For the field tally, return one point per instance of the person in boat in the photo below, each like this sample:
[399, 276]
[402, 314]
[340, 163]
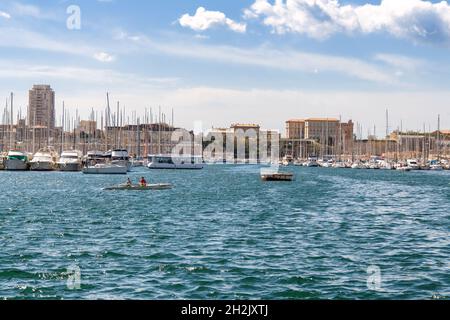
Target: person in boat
[143, 182]
[129, 183]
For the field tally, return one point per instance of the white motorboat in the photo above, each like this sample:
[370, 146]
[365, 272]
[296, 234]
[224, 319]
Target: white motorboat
[119, 157]
[339, 165]
[412, 164]
[436, 167]
[287, 161]
[105, 168]
[70, 161]
[358, 165]
[16, 161]
[44, 160]
[312, 162]
[178, 163]
[374, 166]
[401, 166]
[385, 165]
[327, 164]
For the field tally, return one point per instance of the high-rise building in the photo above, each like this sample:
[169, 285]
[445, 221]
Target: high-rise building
[41, 109]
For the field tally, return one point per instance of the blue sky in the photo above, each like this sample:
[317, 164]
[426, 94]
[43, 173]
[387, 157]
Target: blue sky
[222, 62]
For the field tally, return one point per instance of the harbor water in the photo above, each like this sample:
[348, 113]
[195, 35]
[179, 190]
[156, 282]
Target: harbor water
[222, 233]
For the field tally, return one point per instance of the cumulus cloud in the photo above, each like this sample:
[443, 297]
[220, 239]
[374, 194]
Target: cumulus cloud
[104, 57]
[204, 20]
[417, 20]
[5, 15]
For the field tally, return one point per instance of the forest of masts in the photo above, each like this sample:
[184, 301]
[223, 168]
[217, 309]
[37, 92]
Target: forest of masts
[114, 128]
[150, 133]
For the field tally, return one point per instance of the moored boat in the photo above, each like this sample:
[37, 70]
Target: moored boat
[403, 168]
[413, 164]
[105, 168]
[311, 163]
[358, 165]
[119, 157]
[44, 160]
[70, 161]
[16, 161]
[178, 163]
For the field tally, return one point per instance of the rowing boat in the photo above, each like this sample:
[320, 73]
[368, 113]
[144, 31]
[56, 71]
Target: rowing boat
[159, 186]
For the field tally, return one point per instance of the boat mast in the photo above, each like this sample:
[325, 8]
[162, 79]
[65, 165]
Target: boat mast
[386, 147]
[12, 121]
[151, 131]
[439, 138]
[117, 125]
[159, 131]
[62, 128]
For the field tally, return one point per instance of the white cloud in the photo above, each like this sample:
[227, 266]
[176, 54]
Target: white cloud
[74, 74]
[284, 60]
[417, 20]
[104, 57]
[204, 20]
[26, 39]
[401, 62]
[5, 15]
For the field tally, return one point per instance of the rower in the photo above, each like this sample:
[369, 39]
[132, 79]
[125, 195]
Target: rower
[143, 182]
[129, 183]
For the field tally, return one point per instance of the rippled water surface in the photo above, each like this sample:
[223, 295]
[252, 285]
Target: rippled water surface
[224, 234]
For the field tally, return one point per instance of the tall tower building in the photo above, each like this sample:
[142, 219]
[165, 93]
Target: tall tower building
[41, 110]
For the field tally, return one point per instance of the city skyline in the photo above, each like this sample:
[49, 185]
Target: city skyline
[236, 61]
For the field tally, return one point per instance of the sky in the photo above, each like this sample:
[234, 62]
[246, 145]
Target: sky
[235, 61]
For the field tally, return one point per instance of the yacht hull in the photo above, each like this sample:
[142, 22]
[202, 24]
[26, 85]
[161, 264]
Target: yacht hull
[16, 165]
[105, 170]
[41, 166]
[159, 166]
[69, 167]
[123, 163]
